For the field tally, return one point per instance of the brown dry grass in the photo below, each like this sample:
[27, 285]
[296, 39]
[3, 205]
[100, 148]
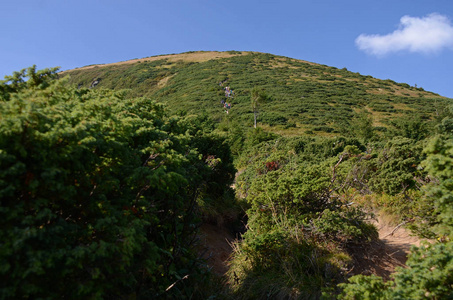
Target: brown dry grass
[377, 117]
[297, 60]
[281, 63]
[399, 91]
[200, 56]
[401, 106]
[196, 56]
[163, 81]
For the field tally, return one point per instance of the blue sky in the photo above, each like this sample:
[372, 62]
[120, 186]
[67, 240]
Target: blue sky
[408, 41]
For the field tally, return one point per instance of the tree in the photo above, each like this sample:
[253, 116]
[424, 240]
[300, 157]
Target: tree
[257, 98]
[396, 166]
[362, 126]
[412, 127]
[15, 82]
[439, 164]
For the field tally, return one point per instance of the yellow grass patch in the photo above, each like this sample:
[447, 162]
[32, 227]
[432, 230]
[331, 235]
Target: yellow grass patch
[163, 81]
[188, 57]
[401, 106]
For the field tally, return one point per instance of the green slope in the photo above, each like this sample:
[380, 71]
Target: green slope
[302, 96]
[306, 199]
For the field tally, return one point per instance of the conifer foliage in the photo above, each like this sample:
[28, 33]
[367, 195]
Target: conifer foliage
[102, 191]
[97, 192]
[430, 267]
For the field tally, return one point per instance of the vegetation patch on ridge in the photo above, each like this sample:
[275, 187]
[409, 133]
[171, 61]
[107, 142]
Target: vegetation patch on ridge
[108, 173]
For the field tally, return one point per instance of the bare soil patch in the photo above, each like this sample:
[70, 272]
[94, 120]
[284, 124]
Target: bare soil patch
[215, 247]
[382, 257]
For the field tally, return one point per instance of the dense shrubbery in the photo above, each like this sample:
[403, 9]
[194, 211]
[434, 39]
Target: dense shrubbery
[298, 221]
[98, 193]
[302, 186]
[430, 267]
[102, 192]
[428, 276]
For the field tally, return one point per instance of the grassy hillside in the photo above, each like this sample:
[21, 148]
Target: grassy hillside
[302, 97]
[331, 147]
[103, 192]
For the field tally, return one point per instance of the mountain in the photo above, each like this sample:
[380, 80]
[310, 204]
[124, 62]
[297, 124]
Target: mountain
[301, 97]
[106, 193]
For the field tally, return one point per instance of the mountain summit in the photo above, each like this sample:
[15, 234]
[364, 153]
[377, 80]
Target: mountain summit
[300, 96]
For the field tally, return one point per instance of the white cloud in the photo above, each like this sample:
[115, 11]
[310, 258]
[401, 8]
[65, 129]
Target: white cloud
[425, 35]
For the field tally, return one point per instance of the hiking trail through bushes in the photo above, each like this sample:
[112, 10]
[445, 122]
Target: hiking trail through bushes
[390, 251]
[380, 257]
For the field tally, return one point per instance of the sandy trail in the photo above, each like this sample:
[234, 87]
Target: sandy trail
[380, 257]
[216, 247]
[389, 252]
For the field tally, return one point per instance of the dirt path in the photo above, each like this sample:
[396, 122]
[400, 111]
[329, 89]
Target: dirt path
[380, 258]
[383, 256]
[396, 237]
[215, 243]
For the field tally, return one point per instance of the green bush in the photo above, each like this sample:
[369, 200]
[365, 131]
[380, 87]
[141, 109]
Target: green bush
[98, 193]
[345, 225]
[430, 268]
[362, 287]
[299, 228]
[282, 263]
[396, 166]
[274, 119]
